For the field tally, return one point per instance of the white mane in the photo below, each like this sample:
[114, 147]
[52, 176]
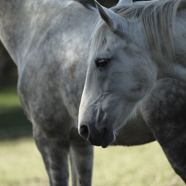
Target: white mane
[157, 17]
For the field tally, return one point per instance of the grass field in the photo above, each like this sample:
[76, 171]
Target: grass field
[21, 163]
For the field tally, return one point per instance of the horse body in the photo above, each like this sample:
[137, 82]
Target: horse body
[48, 26]
[49, 44]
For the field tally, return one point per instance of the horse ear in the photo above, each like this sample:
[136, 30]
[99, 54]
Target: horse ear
[124, 2]
[113, 20]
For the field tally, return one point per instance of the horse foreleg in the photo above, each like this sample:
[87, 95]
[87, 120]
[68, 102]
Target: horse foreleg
[175, 150]
[81, 157]
[54, 148]
[164, 112]
[173, 142]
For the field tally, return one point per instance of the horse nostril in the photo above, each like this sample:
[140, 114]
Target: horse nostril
[84, 132]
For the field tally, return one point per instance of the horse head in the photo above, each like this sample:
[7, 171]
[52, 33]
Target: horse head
[119, 76]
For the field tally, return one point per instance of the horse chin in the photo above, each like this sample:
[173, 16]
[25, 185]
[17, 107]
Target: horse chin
[104, 140]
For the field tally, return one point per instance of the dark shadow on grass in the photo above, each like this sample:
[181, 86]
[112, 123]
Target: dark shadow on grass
[14, 124]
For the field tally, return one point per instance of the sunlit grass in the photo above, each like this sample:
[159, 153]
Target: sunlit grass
[133, 166]
[21, 163]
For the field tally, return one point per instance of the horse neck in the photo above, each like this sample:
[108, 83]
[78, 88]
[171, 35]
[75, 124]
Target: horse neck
[177, 69]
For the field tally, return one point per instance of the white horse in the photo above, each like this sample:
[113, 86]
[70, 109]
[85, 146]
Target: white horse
[49, 41]
[132, 47]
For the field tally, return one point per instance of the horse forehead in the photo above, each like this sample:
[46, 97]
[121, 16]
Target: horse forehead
[113, 43]
[110, 42]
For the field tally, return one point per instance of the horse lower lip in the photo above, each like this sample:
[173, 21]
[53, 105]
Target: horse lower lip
[104, 145]
[103, 139]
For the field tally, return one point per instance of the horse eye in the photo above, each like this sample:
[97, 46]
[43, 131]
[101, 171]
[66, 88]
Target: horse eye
[101, 62]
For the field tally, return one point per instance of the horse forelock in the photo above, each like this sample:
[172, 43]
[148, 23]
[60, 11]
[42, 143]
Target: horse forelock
[157, 18]
[98, 38]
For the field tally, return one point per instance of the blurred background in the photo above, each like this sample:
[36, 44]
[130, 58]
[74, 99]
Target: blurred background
[21, 163]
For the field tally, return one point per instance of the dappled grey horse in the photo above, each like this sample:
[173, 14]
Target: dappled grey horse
[49, 41]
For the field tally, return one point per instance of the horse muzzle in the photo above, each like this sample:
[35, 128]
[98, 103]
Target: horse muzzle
[102, 137]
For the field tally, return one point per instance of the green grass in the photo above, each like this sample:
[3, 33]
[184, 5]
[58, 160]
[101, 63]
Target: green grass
[134, 166]
[9, 98]
[22, 165]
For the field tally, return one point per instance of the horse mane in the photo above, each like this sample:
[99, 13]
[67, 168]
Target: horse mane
[157, 17]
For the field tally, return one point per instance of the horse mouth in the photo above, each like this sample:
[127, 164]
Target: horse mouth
[98, 136]
[105, 142]
[104, 139]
